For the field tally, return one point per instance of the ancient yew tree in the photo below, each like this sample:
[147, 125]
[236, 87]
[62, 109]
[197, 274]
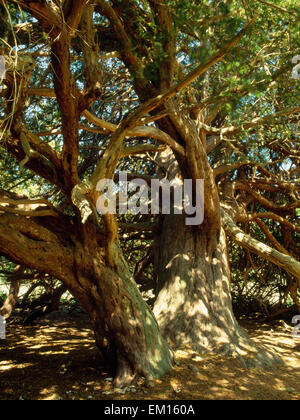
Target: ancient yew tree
[201, 90]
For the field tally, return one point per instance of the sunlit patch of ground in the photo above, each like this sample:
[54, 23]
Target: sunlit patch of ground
[60, 362]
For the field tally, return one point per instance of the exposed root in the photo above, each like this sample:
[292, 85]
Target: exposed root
[237, 344]
[251, 355]
[124, 375]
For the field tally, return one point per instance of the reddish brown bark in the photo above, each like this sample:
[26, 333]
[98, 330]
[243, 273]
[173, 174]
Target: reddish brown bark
[125, 329]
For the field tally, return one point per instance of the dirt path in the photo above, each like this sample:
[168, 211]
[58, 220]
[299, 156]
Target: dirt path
[60, 362]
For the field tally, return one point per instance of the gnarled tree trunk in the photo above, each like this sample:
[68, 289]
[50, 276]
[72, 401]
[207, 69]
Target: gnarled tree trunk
[193, 304]
[126, 331]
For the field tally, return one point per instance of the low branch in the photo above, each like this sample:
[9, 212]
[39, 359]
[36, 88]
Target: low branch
[231, 130]
[28, 228]
[140, 131]
[29, 244]
[230, 167]
[25, 201]
[31, 208]
[277, 7]
[286, 262]
[38, 164]
[34, 213]
[269, 215]
[264, 201]
[142, 149]
[271, 237]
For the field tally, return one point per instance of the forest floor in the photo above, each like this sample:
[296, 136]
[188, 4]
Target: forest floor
[58, 360]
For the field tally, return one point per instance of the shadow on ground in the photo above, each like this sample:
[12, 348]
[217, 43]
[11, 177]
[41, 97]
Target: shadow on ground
[61, 362]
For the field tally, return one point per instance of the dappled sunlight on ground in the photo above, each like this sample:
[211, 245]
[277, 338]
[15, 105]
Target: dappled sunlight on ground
[61, 362]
